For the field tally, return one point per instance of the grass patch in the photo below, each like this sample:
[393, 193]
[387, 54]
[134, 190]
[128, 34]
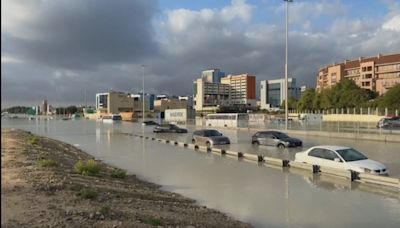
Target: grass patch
[33, 140]
[88, 193]
[47, 163]
[118, 173]
[90, 167]
[105, 210]
[153, 221]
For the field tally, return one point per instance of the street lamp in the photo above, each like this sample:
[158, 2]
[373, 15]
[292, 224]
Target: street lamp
[143, 66]
[286, 66]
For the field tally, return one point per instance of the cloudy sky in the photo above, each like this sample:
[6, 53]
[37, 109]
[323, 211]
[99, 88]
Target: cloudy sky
[58, 49]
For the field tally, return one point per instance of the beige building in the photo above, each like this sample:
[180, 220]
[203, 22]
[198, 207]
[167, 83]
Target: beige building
[229, 91]
[116, 102]
[173, 103]
[378, 73]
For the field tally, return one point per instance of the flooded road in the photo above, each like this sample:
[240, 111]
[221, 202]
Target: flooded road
[263, 196]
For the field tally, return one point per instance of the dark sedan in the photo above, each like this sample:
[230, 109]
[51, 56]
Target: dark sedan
[149, 123]
[275, 138]
[169, 128]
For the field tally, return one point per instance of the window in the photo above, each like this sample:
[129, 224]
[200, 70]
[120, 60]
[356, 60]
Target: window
[318, 153]
[330, 155]
[351, 155]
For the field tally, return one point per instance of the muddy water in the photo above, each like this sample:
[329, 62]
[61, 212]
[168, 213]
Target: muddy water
[263, 196]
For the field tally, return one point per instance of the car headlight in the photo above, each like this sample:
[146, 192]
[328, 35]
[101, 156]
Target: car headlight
[366, 170]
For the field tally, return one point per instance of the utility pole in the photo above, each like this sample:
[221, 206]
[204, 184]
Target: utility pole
[143, 66]
[286, 65]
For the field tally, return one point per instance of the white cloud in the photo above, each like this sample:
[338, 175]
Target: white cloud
[237, 9]
[8, 59]
[392, 24]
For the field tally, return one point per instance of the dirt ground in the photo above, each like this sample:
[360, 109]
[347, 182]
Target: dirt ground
[35, 195]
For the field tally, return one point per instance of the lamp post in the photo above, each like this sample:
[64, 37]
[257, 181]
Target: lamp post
[143, 66]
[286, 65]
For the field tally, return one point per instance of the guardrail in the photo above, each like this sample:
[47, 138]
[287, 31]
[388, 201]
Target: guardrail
[276, 162]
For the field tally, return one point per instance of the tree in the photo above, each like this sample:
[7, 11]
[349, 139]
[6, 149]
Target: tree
[306, 101]
[391, 98]
[292, 103]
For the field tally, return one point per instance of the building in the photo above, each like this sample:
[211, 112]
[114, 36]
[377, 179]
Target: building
[44, 107]
[171, 103]
[242, 89]
[148, 100]
[378, 73]
[272, 92]
[212, 75]
[114, 102]
[211, 93]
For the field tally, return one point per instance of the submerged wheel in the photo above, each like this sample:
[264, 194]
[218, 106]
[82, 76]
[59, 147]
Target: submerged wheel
[281, 146]
[256, 143]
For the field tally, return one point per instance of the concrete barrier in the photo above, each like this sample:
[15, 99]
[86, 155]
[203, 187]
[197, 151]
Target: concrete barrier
[338, 172]
[191, 146]
[203, 148]
[381, 180]
[181, 144]
[305, 166]
[234, 153]
[276, 161]
[253, 157]
[216, 150]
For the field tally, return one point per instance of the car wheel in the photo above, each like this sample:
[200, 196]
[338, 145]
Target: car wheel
[281, 146]
[208, 144]
[193, 141]
[256, 143]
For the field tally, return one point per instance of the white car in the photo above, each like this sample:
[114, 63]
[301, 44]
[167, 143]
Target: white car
[341, 157]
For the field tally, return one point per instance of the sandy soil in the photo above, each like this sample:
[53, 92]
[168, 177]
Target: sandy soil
[36, 196]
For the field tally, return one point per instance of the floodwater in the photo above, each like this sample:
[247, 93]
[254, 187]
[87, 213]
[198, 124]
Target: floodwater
[263, 196]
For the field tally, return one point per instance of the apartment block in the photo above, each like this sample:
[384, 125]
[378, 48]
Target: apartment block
[272, 92]
[243, 89]
[378, 73]
[232, 90]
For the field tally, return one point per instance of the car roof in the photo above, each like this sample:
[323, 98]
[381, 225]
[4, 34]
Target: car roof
[269, 132]
[331, 147]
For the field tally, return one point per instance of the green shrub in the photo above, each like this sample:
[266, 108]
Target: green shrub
[33, 140]
[47, 163]
[90, 167]
[88, 193]
[153, 221]
[118, 173]
[105, 210]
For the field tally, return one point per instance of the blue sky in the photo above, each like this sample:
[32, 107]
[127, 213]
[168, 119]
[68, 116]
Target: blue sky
[66, 46]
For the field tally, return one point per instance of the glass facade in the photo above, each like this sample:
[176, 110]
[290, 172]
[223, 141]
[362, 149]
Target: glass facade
[103, 101]
[274, 94]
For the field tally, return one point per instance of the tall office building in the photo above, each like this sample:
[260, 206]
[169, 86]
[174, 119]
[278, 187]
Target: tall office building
[212, 75]
[231, 90]
[378, 73]
[272, 92]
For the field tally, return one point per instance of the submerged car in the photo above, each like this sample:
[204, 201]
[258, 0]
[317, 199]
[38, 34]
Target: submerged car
[389, 123]
[149, 123]
[341, 157]
[209, 137]
[171, 128]
[275, 138]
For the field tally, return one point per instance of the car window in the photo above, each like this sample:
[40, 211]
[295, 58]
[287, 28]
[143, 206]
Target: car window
[351, 154]
[281, 135]
[317, 152]
[330, 155]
